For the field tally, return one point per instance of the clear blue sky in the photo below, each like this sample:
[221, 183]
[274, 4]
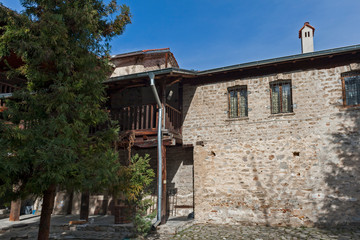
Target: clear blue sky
[206, 34]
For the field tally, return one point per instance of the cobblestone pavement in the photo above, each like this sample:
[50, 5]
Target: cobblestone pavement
[227, 232]
[102, 229]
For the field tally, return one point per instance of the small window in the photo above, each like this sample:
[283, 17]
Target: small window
[351, 89]
[281, 97]
[238, 102]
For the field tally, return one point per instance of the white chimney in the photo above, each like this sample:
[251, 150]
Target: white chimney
[306, 34]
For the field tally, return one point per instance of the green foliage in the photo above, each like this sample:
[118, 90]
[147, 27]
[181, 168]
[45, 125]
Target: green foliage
[142, 221]
[133, 180]
[133, 183]
[44, 140]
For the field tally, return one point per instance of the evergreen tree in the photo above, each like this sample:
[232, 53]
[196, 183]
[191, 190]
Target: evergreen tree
[45, 140]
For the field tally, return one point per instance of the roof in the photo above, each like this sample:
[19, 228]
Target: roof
[257, 64]
[306, 24]
[147, 51]
[285, 59]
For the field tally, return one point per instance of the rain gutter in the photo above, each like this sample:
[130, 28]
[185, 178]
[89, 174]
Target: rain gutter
[159, 147]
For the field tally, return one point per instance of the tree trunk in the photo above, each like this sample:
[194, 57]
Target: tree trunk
[71, 198]
[47, 208]
[84, 208]
[15, 210]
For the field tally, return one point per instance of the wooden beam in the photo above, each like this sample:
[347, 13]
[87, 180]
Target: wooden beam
[163, 102]
[84, 206]
[151, 143]
[187, 145]
[141, 132]
[173, 82]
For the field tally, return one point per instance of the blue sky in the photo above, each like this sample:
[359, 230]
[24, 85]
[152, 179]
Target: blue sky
[206, 34]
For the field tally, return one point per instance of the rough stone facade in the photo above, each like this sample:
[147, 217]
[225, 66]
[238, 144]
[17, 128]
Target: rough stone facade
[300, 168]
[98, 204]
[146, 61]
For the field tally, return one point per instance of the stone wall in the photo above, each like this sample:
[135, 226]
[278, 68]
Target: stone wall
[300, 168]
[100, 204]
[142, 63]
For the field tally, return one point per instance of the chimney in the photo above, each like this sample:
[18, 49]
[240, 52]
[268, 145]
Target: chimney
[306, 34]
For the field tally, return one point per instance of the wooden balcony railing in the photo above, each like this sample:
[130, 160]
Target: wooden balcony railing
[145, 117]
[173, 118]
[136, 117]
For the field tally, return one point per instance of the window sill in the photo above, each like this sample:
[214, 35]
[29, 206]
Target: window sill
[281, 114]
[236, 119]
[349, 108]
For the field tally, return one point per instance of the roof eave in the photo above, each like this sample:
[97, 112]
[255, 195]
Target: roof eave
[261, 63]
[141, 52]
[155, 72]
[283, 59]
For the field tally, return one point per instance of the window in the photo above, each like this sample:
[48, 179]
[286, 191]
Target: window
[238, 102]
[280, 97]
[351, 88]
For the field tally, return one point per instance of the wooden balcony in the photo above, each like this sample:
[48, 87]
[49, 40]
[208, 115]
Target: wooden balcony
[143, 120]
[136, 117]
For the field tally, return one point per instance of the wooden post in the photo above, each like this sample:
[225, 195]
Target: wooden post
[15, 210]
[163, 101]
[70, 206]
[84, 206]
[163, 180]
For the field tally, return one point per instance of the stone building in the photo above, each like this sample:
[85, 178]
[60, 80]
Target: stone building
[269, 142]
[272, 142]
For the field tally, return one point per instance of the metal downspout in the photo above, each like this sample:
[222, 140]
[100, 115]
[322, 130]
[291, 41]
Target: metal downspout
[159, 142]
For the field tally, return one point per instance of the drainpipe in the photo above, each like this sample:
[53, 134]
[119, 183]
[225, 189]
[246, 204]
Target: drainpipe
[159, 142]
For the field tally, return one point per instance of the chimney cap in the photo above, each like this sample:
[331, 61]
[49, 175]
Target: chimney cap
[306, 24]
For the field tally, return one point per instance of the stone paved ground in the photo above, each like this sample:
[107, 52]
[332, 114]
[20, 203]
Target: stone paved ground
[227, 232]
[102, 228]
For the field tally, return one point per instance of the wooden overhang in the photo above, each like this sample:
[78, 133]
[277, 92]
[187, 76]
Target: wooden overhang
[143, 131]
[166, 76]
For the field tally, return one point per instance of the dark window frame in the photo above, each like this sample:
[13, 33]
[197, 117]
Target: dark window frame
[343, 76]
[238, 89]
[280, 83]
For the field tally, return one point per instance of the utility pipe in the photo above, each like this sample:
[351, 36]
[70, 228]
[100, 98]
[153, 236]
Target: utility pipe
[159, 142]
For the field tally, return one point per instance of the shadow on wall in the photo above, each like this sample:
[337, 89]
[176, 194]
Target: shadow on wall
[188, 96]
[342, 173]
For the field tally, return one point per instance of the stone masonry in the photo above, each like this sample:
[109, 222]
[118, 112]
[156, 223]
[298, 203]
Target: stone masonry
[137, 63]
[300, 168]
